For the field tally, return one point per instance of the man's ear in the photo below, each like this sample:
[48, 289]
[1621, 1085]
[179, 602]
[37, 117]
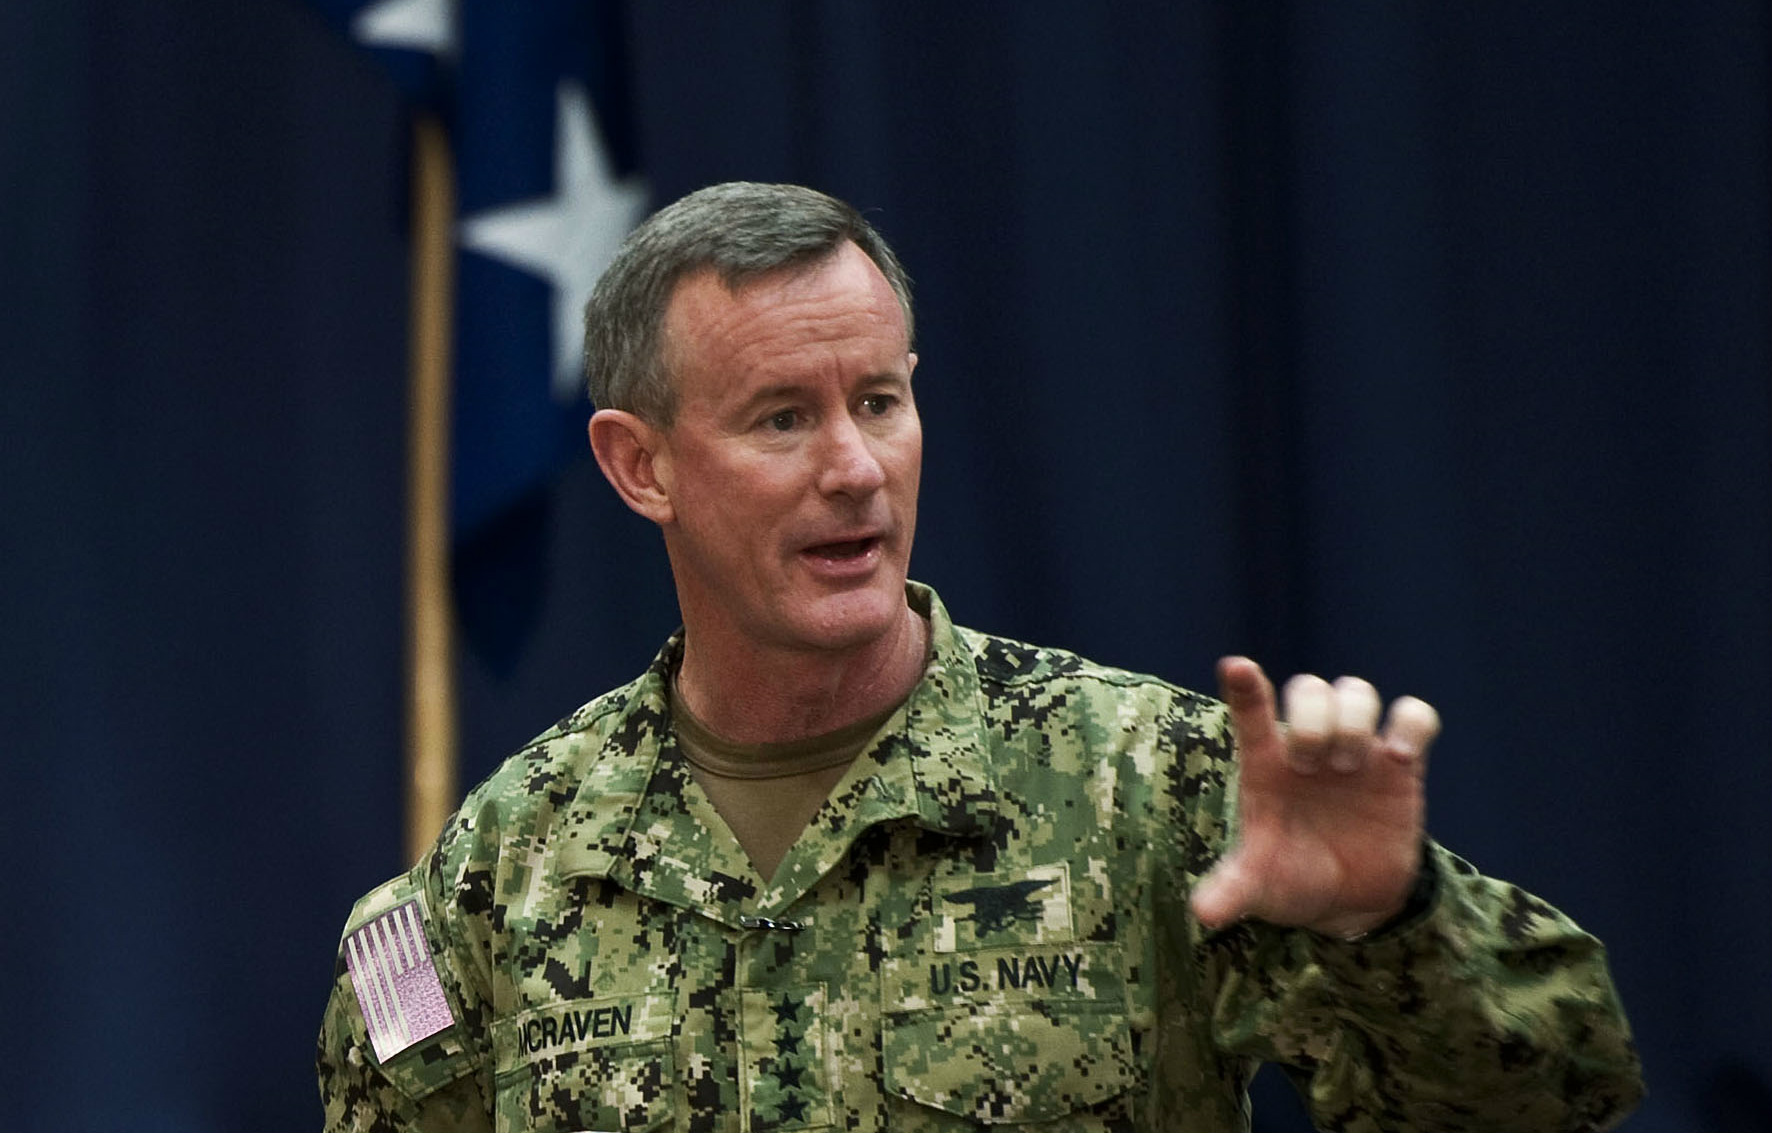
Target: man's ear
[636, 462]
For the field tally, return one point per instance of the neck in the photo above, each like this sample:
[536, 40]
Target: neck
[747, 694]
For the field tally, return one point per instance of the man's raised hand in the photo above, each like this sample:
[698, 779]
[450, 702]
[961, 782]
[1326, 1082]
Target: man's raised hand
[1332, 808]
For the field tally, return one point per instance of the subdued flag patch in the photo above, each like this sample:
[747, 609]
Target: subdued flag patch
[397, 987]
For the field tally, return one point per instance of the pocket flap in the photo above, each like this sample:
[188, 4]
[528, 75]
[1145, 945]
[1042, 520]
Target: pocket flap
[1009, 1064]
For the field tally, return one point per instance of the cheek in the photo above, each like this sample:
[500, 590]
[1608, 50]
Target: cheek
[742, 504]
[908, 462]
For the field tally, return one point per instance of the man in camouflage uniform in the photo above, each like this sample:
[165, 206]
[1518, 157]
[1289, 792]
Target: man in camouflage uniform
[834, 862]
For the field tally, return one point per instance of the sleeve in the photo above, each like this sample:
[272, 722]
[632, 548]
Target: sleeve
[1487, 1009]
[1490, 1011]
[402, 1043]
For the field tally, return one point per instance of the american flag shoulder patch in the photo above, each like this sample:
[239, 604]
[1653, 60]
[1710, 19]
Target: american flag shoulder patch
[397, 987]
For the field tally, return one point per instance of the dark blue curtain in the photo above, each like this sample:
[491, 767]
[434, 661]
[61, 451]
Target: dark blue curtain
[1432, 343]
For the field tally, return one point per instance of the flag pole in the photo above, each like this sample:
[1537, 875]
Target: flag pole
[430, 628]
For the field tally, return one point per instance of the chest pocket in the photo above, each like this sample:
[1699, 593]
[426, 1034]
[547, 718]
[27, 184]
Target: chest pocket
[592, 1064]
[1007, 1035]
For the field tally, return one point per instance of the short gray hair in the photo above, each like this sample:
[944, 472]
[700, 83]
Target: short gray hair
[743, 231]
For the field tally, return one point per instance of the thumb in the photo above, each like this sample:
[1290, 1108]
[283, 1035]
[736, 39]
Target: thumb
[1227, 894]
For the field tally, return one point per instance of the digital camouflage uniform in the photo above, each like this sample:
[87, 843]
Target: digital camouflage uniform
[987, 923]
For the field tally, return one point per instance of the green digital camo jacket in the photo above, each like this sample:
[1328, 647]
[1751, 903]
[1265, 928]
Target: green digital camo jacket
[986, 924]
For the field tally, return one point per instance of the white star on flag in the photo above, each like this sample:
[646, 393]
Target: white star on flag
[569, 238]
[419, 25]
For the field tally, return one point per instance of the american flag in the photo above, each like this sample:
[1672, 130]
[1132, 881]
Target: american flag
[396, 983]
[533, 96]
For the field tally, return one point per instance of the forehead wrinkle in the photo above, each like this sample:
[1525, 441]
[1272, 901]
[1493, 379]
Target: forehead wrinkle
[800, 311]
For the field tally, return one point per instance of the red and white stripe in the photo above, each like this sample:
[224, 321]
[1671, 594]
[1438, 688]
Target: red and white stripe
[397, 987]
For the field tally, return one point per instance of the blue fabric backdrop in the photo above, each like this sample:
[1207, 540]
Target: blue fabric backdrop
[1431, 343]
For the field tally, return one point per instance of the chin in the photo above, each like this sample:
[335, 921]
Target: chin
[853, 620]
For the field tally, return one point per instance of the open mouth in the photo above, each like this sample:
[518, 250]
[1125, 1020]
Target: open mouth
[837, 552]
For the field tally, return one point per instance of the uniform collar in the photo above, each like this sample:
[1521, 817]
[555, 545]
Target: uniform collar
[930, 764]
[948, 748]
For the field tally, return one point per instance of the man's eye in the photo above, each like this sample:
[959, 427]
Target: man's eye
[783, 421]
[878, 403]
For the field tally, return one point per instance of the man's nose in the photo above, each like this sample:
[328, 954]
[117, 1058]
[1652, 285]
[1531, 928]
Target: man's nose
[850, 466]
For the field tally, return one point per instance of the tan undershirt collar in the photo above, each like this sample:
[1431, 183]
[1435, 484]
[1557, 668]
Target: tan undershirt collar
[767, 793]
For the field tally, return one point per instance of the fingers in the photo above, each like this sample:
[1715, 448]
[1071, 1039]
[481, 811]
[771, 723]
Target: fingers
[1225, 895]
[1356, 723]
[1333, 724]
[1412, 727]
[1250, 697]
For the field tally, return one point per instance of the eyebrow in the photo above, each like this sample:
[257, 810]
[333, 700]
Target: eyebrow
[789, 389]
[777, 392]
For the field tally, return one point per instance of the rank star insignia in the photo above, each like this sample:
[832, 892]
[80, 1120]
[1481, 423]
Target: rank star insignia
[793, 1108]
[786, 1010]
